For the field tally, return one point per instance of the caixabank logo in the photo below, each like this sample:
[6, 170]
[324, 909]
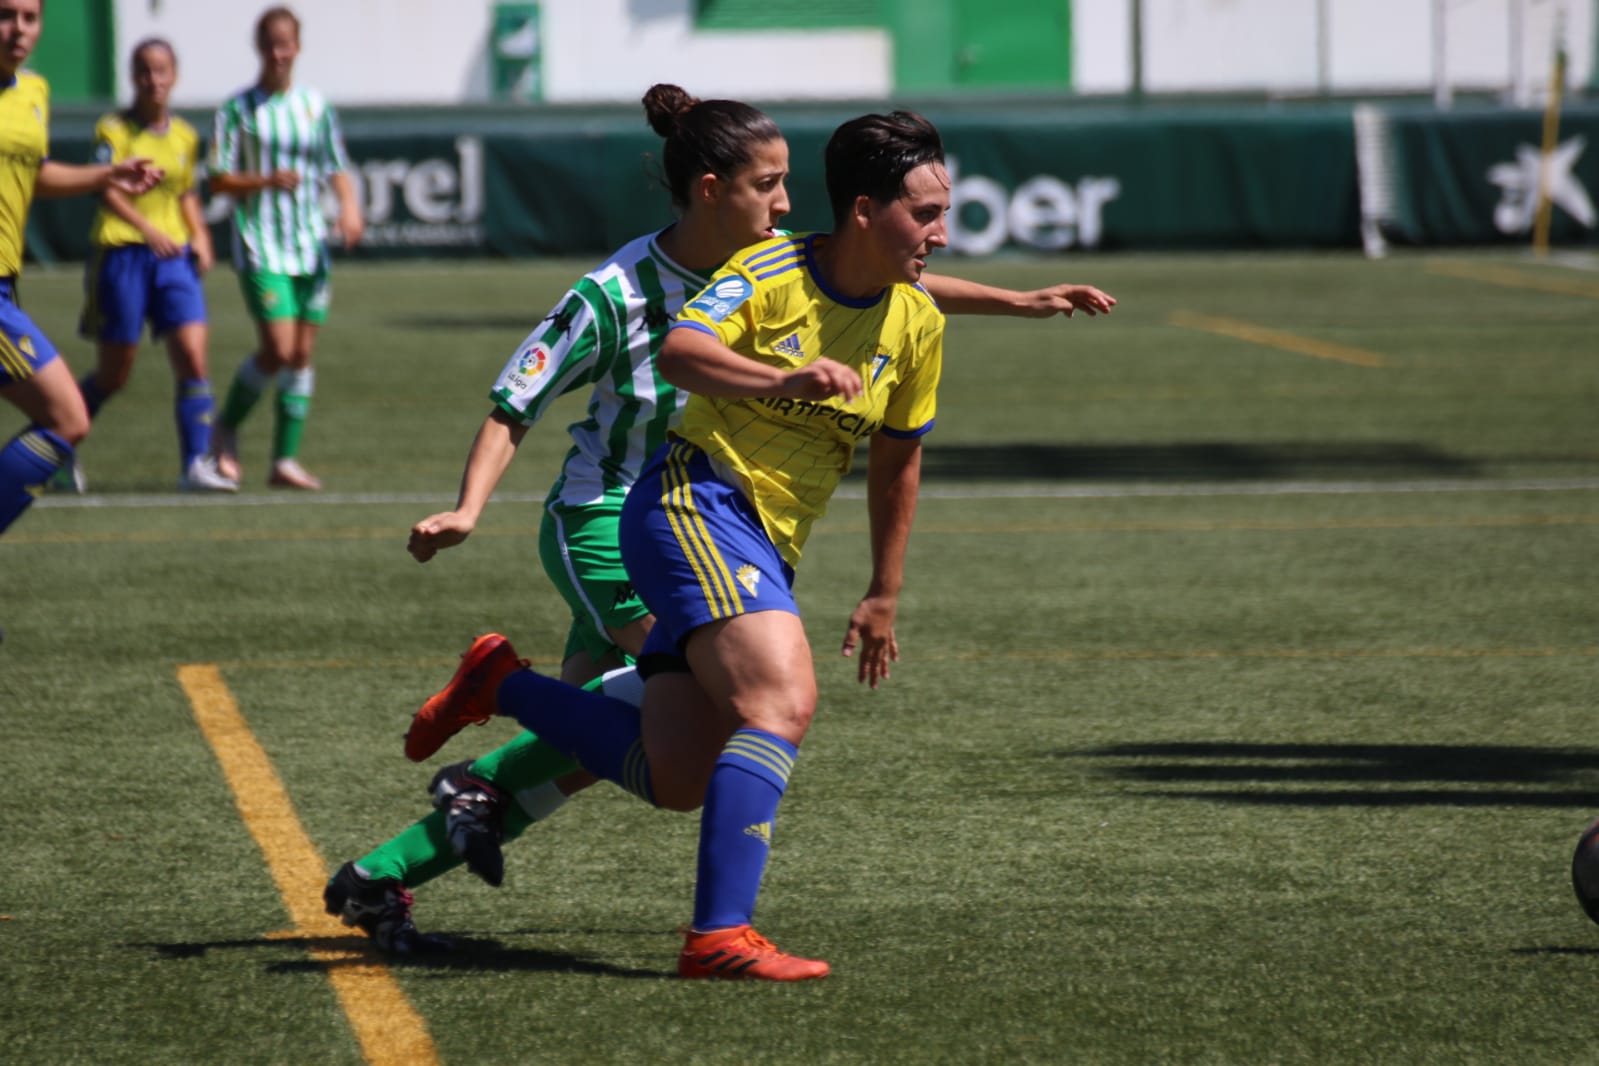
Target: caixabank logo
[1519, 181]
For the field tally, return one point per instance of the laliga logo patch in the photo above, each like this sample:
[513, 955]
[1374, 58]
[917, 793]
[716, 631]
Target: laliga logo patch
[531, 362]
[723, 298]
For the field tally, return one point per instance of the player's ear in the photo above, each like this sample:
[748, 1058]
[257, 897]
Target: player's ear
[708, 188]
[861, 214]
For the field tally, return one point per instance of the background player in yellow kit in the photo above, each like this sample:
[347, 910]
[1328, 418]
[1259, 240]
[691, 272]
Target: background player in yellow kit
[149, 253]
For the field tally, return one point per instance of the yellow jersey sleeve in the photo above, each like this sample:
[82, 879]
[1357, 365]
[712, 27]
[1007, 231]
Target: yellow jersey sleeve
[24, 146]
[175, 149]
[788, 455]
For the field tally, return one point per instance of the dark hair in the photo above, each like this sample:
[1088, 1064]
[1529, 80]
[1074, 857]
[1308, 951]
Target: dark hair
[870, 156]
[703, 136]
[153, 42]
[268, 17]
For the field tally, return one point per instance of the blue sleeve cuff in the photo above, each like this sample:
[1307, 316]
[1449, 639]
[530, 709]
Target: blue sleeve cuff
[907, 434]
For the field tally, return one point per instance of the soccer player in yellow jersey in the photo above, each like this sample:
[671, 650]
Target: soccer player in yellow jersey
[32, 376]
[798, 349]
[149, 254]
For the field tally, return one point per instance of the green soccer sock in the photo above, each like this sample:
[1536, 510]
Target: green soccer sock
[518, 768]
[523, 768]
[245, 392]
[415, 855]
[294, 406]
[422, 851]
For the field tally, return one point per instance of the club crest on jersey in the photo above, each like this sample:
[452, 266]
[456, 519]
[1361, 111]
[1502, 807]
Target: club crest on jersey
[723, 297]
[877, 361]
[749, 575]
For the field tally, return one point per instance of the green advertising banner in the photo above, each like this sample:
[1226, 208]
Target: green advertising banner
[1025, 176]
[1472, 176]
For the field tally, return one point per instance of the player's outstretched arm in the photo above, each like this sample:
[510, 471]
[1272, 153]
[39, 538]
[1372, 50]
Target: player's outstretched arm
[132, 176]
[958, 296]
[492, 451]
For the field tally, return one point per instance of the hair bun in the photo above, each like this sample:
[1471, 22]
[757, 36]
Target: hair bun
[665, 104]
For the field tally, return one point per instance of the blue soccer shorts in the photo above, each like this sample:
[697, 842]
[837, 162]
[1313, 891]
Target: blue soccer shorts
[696, 550]
[23, 346]
[126, 285]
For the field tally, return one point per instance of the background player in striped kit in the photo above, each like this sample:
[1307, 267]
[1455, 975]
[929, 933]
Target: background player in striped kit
[149, 253]
[32, 376]
[724, 165]
[275, 144]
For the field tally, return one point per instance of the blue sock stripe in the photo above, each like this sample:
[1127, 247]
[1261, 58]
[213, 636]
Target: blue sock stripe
[779, 767]
[46, 445]
[636, 772]
[761, 753]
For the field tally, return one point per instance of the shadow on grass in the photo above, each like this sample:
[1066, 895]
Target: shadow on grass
[1207, 461]
[1360, 775]
[473, 954]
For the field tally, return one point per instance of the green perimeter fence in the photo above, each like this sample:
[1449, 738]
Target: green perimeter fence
[1030, 175]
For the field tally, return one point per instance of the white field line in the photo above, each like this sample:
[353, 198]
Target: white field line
[934, 491]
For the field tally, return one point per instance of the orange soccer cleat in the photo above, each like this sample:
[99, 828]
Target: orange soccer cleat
[469, 698]
[740, 953]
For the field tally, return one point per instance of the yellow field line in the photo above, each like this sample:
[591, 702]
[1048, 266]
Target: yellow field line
[388, 1028]
[1276, 338]
[1515, 279]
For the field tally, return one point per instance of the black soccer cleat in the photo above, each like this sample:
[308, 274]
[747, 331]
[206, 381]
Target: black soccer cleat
[474, 813]
[380, 908]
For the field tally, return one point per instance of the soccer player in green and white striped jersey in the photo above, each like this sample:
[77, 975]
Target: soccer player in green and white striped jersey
[725, 164]
[275, 145]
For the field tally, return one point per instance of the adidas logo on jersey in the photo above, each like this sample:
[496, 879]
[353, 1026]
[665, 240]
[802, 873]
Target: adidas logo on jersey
[790, 346]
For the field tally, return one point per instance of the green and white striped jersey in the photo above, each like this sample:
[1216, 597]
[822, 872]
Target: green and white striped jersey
[278, 231]
[605, 332]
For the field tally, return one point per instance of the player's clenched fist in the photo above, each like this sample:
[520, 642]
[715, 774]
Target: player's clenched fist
[822, 378]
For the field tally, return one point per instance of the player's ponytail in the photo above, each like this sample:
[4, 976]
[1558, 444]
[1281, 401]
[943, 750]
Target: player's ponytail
[703, 136]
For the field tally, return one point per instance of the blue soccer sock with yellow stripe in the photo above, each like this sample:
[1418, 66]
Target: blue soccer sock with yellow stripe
[192, 408]
[750, 778]
[26, 464]
[600, 732]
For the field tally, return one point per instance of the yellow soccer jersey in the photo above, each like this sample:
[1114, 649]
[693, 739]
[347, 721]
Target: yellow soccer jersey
[769, 304]
[24, 144]
[175, 150]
